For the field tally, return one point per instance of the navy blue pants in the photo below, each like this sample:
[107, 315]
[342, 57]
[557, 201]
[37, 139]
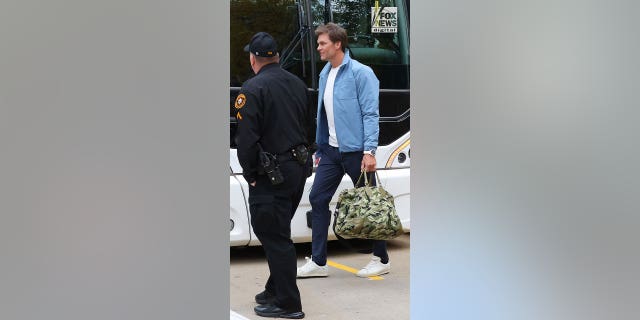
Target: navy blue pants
[332, 167]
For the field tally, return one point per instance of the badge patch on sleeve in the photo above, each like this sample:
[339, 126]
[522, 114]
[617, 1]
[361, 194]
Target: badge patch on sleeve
[240, 101]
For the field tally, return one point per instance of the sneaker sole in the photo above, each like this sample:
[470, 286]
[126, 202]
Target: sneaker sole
[372, 275]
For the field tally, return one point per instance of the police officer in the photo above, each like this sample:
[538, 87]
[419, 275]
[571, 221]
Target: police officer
[273, 126]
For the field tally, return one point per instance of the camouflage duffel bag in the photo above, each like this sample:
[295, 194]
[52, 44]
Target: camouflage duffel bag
[366, 212]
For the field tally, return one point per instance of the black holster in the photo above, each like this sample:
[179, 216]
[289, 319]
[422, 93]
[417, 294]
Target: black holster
[270, 166]
[300, 153]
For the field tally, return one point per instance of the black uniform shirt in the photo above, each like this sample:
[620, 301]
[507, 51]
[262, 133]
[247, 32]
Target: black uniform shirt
[272, 109]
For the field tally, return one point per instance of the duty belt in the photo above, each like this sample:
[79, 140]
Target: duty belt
[299, 153]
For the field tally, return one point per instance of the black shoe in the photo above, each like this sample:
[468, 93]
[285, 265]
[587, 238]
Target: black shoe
[265, 297]
[273, 311]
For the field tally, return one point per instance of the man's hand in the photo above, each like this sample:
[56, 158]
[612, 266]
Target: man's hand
[253, 184]
[368, 163]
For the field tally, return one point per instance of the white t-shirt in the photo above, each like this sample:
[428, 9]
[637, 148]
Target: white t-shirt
[328, 105]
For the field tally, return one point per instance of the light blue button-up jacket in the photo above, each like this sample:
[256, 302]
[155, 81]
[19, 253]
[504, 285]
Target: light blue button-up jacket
[355, 107]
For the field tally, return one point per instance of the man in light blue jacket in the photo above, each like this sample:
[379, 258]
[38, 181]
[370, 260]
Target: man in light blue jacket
[347, 138]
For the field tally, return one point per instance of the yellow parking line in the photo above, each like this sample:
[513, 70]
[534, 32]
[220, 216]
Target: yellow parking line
[349, 269]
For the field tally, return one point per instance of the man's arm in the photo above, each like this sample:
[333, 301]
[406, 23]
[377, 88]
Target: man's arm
[249, 117]
[368, 93]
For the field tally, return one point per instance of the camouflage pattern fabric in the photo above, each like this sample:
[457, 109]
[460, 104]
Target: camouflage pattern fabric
[366, 213]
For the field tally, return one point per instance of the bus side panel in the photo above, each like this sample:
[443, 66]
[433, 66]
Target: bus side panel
[397, 182]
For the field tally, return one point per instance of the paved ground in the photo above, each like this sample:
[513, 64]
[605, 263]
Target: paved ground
[342, 295]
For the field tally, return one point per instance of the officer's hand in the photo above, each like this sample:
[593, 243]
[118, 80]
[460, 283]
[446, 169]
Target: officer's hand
[368, 163]
[253, 184]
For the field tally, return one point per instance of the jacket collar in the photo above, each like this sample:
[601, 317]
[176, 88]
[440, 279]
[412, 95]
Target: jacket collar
[345, 60]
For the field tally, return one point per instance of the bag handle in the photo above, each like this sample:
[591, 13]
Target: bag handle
[360, 178]
[367, 183]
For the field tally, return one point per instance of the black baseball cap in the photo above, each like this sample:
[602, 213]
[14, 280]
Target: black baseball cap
[262, 44]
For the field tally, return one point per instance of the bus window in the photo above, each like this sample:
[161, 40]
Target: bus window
[387, 53]
[282, 19]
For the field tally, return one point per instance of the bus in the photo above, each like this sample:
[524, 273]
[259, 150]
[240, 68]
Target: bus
[378, 37]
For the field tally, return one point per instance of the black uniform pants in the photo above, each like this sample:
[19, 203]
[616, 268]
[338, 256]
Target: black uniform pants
[272, 208]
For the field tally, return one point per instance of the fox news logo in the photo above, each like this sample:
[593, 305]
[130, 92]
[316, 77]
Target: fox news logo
[384, 20]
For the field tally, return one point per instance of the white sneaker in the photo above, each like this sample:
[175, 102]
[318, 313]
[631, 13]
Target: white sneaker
[311, 269]
[374, 268]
